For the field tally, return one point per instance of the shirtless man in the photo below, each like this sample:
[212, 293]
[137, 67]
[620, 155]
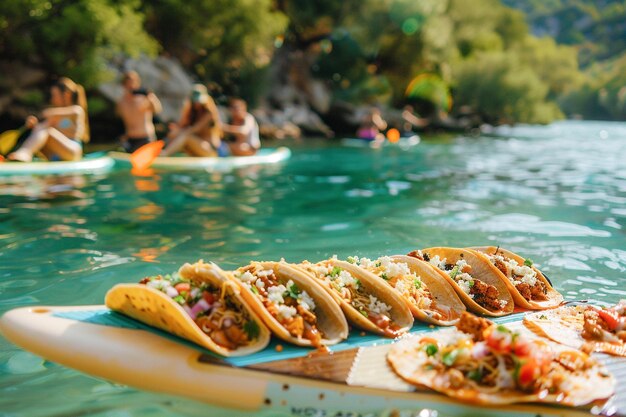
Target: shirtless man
[137, 108]
[243, 128]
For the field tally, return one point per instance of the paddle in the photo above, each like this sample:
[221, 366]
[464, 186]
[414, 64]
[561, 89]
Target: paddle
[9, 138]
[143, 157]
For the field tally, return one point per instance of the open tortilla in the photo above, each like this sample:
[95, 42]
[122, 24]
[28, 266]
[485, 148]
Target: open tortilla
[367, 302]
[455, 364]
[149, 304]
[430, 298]
[475, 289]
[524, 295]
[566, 325]
[311, 317]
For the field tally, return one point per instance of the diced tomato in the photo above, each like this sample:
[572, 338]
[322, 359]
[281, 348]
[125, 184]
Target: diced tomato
[610, 317]
[527, 372]
[521, 348]
[208, 297]
[182, 287]
[498, 341]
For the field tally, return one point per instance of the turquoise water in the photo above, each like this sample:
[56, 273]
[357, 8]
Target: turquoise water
[556, 194]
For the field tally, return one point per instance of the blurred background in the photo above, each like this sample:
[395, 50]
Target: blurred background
[309, 67]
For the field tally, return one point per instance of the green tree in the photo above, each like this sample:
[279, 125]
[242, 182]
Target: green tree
[223, 41]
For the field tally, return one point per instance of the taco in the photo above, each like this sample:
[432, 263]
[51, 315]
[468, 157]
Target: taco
[528, 286]
[367, 302]
[430, 298]
[199, 304]
[292, 304]
[475, 279]
[483, 363]
[587, 327]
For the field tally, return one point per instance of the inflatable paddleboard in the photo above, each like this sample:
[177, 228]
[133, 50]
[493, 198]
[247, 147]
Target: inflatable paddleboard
[354, 379]
[403, 142]
[264, 156]
[91, 164]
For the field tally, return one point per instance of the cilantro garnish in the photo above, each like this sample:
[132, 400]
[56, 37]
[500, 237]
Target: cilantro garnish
[364, 313]
[351, 259]
[378, 264]
[471, 283]
[431, 349]
[254, 289]
[357, 283]
[335, 272]
[417, 283]
[528, 262]
[179, 299]
[384, 276]
[475, 375]
[292, 291]
[450, 357]
[252, 329]
[454, 272]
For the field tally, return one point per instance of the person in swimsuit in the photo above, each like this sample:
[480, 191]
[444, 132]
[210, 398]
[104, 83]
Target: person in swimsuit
[243, 128]
[372, 126]
[199, 131]
[137, 108]
[64, 128]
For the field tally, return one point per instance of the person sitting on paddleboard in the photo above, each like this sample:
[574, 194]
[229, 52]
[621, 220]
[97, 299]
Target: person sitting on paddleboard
[64, 128]
[199, 132]
[243, 129]
[137, 108]
[372, 126]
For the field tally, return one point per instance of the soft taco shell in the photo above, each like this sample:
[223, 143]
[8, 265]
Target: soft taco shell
[409, 363]
[565, 325]
[330, 320]
[447, 302]
[156, 309]
[400, 313]
[483, 270]
[554, 298]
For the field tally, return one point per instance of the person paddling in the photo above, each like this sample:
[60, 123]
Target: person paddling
[199, 131]
[64, 128]
[137, 108]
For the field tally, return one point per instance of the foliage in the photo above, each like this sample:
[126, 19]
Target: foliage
[218, 40]
[73, 38]
[503, 90]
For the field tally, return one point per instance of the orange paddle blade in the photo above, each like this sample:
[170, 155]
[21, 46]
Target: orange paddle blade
[143, 157]
[393, 135]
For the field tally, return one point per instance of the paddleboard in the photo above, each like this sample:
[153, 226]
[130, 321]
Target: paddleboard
[264, 156]
[91, 164]
[352, 380]
[403, 142]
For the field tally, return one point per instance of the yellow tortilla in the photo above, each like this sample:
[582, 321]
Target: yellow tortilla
[565, 325]
[411, 362]
[154, 308]
[330, 320]
[446, 307]
[400, 313]
[483, 270]
[554, 298]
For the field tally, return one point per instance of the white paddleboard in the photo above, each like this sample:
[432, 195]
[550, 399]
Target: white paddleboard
[264, 156]
[352, 382]
[88, 165]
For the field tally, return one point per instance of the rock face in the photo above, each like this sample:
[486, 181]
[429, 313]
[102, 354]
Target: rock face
[164, 76]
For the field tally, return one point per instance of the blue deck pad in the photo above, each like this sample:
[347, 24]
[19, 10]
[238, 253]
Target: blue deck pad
[357, 338]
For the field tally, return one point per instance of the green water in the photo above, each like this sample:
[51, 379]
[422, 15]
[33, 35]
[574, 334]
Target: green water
[556, 194]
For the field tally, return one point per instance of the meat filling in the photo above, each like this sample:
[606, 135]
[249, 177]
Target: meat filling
[485, 295]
